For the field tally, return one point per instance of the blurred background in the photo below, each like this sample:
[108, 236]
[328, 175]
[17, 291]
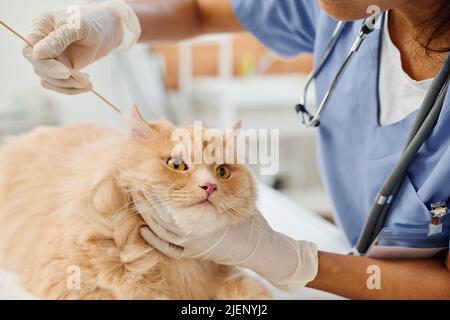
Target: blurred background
[217, 79]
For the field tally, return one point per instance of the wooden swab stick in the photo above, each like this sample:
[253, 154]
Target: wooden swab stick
[16, 33]
[101, 97]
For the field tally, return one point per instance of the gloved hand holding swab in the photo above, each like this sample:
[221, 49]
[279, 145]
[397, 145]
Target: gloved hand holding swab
[72, 72]
[57, 47]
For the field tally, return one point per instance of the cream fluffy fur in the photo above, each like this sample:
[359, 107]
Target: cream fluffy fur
[65, 201]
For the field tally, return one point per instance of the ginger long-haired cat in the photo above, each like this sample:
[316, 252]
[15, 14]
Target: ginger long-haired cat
[69, 227]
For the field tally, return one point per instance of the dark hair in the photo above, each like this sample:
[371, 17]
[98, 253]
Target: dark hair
[437, 26]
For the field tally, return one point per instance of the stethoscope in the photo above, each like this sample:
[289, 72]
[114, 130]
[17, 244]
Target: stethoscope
[425, 122]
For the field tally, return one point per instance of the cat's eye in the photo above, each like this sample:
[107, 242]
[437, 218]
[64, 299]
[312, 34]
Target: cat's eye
[176, 164]
[223, 172]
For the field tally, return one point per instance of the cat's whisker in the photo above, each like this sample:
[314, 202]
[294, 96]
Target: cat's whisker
[227, 208]
[162, 200]
[119, 209]
[236, 212]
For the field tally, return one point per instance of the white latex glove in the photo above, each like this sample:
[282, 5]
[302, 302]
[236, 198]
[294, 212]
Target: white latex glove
[60, 48]
[286, 263]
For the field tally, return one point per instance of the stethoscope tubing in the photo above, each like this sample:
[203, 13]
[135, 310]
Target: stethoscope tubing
[423, 113]
[424, 124]
[316, 118]
[334, 37]
[367, 27]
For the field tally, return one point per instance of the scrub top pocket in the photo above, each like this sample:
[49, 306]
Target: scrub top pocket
[408, 243]
[406, 233]
[408, 208]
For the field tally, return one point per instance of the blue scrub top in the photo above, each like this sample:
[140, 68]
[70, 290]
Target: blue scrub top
[355, 153]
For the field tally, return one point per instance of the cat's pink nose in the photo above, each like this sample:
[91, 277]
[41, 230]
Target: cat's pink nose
[209, 188]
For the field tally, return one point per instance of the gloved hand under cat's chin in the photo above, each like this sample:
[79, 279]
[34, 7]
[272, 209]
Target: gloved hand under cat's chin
[286, 263]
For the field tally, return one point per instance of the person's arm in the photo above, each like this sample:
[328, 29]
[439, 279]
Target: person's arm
[163, 20]
[61, 48]
[347, 276]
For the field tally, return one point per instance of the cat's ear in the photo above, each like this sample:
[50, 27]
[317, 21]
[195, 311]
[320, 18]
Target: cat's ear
[231, 136]
[139, 127]
[237, 127]
[235, 131]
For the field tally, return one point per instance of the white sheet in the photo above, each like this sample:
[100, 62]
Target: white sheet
[282, 214]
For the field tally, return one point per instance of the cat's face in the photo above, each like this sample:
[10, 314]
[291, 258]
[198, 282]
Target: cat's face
[198, 198]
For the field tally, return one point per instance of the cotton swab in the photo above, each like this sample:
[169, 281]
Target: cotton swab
[100, 96]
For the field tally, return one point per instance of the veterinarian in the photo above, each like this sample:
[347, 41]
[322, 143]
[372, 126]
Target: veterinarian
[361, 135]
